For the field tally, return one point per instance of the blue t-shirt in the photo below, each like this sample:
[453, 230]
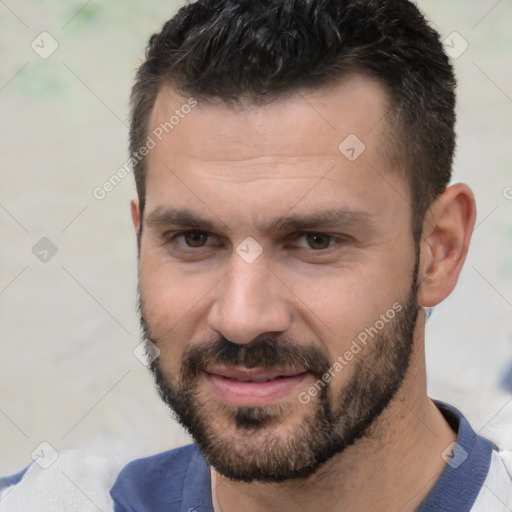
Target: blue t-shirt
[477, 478]
[179, 480]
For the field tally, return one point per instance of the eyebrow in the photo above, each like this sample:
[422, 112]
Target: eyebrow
[161, 217]
[323, 219]
[348, 218]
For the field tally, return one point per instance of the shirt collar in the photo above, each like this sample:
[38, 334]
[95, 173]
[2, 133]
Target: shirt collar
[467, 465]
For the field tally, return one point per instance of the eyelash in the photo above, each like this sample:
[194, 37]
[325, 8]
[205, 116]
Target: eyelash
[336, 239]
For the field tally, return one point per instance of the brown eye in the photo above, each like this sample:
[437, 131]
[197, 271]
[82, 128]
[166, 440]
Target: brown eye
[195, 238]
[318, 241]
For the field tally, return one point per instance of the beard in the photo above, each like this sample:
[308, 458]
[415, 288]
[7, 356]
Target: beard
[246, 443]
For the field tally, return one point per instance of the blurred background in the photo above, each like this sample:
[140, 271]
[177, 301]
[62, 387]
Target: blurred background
[68, 326]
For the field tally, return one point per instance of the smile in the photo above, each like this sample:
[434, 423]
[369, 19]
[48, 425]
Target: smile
[253, 386]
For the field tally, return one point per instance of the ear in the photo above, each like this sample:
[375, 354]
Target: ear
[447, 230]
[136, 219]
[135, 214]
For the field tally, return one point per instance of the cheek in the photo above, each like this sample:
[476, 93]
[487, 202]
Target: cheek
[175, 304]
[337, 308]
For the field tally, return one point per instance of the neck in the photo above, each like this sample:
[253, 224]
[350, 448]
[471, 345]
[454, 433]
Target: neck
[392, 468]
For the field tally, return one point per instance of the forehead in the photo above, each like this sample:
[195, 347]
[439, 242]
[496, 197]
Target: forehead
[327, 144]
[300, 124]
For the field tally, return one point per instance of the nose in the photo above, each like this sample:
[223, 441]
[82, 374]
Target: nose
[249, 302]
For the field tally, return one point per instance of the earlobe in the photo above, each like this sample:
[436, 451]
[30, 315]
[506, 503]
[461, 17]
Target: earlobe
[446, 236]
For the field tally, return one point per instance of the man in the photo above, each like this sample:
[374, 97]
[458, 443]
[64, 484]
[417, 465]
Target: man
[294, 220]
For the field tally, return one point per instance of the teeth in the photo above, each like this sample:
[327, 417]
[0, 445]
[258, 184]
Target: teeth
[255, 380]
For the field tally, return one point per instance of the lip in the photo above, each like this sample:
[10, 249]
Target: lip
[253, 386]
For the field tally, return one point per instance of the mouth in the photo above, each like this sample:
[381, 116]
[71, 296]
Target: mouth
[253, 386]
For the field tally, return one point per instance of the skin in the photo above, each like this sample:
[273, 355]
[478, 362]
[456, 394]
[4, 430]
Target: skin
[241, 170]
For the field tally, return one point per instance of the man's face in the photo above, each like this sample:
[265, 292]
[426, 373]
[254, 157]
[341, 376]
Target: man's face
[277, 276]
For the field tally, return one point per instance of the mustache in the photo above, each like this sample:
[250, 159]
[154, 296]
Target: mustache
[264, 352]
